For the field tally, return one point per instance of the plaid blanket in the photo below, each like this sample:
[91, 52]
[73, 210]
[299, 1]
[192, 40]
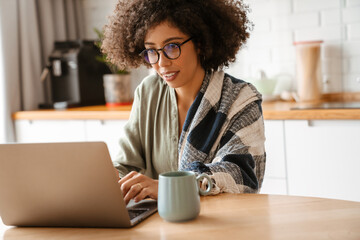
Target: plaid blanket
[223, 135]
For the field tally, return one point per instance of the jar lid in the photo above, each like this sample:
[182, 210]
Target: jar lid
[308, 42]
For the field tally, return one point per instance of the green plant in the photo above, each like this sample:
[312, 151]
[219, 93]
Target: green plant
[103, 58]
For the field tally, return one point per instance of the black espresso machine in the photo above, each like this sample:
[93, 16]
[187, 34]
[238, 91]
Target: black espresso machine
[74, 77]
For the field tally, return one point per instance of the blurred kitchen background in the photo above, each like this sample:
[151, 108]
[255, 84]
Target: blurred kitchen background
[323, 149]
[280, 23]
[30, 27]
[277, 25]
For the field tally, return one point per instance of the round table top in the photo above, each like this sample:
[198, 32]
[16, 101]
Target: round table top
[231, 216]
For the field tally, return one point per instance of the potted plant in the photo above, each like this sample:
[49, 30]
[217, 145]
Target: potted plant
[117, 85]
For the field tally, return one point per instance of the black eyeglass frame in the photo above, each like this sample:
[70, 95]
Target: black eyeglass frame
[162, 50]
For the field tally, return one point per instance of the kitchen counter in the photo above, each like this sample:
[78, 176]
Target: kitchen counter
[279, 110]
[335, 106]
[275, 110]
[80, 113]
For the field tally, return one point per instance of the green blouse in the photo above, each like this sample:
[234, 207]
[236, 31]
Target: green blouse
[150, 141]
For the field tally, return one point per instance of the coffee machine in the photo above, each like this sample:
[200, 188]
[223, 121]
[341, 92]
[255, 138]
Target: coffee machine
[74, 75]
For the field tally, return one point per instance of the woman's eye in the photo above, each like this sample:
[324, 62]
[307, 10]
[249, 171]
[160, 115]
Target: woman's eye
[172, 46]
[151, 51]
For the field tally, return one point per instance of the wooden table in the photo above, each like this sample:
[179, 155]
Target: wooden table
[232, 216]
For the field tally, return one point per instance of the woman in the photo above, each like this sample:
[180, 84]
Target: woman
[190, 115]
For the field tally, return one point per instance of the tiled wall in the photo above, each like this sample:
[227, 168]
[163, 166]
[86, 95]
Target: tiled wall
[95, 16]
[279, 23]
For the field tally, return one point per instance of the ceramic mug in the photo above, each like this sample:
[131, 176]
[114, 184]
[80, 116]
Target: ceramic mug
[178, 196]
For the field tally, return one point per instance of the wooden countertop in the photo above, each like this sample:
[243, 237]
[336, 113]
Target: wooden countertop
[284, 110]
[230, 216]
[276, 110]
[281, 110]
[91, 112]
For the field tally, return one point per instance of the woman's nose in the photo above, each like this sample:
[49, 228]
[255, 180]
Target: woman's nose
[163, 60]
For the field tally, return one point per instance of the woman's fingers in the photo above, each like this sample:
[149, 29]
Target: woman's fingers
[134, 191]
[128, 181]
[149, 191]
[127, 177]
[138, 187]
[142, 195]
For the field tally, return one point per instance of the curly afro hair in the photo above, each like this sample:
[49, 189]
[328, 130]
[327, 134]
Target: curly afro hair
[219, 29]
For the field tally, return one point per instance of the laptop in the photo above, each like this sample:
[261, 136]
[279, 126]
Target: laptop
[64, 185]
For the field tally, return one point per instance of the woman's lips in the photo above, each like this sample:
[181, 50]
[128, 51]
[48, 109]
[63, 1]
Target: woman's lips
[170, 76]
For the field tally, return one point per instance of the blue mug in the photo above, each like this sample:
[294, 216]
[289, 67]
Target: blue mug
[178, 196]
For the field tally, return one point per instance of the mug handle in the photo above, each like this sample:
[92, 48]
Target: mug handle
[199, 178]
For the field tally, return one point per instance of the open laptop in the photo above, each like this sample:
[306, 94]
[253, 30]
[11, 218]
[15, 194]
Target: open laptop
[64, 185]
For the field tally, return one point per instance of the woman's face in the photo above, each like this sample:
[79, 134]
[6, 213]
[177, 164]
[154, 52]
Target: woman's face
[186, 70]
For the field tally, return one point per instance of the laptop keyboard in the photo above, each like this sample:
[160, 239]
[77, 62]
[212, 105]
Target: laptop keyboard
[134, 212]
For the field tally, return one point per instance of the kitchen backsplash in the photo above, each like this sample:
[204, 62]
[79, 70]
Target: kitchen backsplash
[277, 25]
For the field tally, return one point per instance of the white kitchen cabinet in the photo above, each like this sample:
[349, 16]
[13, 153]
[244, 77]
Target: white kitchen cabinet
[323, 158]
[274, 186]
[49, 131]
[108, 131]
[275, 171]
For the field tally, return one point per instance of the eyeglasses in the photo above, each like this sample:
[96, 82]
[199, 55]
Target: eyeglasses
[171, 51]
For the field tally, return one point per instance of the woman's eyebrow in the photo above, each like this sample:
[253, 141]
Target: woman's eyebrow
[166, 41]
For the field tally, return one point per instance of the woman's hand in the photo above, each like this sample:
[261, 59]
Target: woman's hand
[138, 186]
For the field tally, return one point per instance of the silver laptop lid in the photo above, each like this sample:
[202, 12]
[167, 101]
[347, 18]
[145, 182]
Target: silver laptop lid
[60, 184]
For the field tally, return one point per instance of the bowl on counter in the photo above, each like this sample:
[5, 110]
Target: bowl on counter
[272, 88]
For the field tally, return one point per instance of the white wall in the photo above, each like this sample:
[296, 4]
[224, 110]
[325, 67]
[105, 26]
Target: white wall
[279, 23]
[95, 16]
